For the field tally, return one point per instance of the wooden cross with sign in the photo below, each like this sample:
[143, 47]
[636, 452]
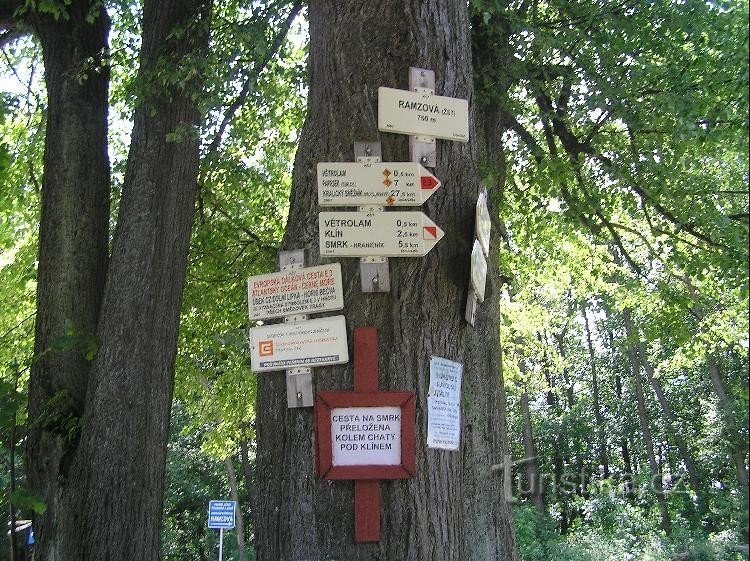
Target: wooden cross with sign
[365, 435]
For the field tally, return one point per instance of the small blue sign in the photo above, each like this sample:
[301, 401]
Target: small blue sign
[221, 514]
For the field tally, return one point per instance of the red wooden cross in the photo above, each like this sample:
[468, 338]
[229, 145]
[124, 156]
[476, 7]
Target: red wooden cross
[367, 477]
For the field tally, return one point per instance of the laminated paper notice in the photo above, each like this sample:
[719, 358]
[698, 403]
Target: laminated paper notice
[443, 404]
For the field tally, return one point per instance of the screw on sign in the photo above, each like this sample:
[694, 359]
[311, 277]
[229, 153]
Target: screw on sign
[365, 435]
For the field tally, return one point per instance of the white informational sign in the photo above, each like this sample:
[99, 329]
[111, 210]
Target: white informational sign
[315, 342]
[483, 222]
[366, 436]
[385, 234]
[423, 114]
[445, 379]
[478, 270]
[382, 184]
[444, 404]
[443, 424]
[300, 291]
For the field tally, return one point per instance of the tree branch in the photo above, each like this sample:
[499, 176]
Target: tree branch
[252, 78]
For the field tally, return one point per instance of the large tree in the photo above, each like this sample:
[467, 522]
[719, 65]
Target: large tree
[456, 507]
[106, 325]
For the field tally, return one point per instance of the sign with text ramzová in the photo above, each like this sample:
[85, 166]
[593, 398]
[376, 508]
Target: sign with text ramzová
[315, 342]
[299, 291]
[423, 114]
[380, 183]
[385, 234]
[221, 514]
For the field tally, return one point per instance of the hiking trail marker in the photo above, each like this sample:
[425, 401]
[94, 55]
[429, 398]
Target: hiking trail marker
[365, 435]
[297, 344]
[380, 184]
[423, 115]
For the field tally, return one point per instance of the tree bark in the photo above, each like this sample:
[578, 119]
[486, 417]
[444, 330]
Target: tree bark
[104, 483]
[73, 251]
[247, 473]
[240, 526]
[648, 442]
[456, 506]
[671, 424]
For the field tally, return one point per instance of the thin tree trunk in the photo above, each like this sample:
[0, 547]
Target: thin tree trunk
[598, 416]
[455, 507]
[671, 424]
[532, 471]
[247, 473]
[643, 420]
[240, 526]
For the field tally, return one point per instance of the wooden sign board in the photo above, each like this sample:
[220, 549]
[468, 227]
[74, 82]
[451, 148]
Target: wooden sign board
[365, 435]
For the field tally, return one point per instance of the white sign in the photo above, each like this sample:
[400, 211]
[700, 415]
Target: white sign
[316, 342]
[445, 379]
[386, 234]
[444, 404]
[382, 184]
[423, 114]
[301, 291]
[483, 222]
[366, 436]
[443, 424]
[478, 271]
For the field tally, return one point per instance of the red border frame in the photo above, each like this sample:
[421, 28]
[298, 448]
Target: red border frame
[325, 401]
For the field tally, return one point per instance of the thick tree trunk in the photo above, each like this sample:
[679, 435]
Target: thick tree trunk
[106, 492]
[455, 507]
[240, 525]
[73, 249]
[648, 442]
[601, 439]
[671, 424]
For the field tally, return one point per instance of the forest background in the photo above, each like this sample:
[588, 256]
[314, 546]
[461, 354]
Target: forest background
[624, 221]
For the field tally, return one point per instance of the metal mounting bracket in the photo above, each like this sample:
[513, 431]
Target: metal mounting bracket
[422, 149]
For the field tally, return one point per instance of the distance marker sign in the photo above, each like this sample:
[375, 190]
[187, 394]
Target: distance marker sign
[423, 114]
[382, 184]
[386, 234]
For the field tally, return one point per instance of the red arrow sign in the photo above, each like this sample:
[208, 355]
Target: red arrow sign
[429, 182]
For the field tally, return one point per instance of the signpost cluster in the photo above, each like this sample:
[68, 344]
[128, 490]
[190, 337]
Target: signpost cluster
[367, 435]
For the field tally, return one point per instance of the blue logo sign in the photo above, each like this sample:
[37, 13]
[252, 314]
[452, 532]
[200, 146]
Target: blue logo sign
[221, 514]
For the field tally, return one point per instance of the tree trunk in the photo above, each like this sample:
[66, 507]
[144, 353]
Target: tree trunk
[455, 507]
[648, 442]
[240, 526]
[73, 251]
[671, 425]
[530, 466]
[598, 416]
[103, 481]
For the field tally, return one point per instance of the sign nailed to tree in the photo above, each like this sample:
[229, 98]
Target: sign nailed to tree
[298, 291]
[380, 183]
[423, 114]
